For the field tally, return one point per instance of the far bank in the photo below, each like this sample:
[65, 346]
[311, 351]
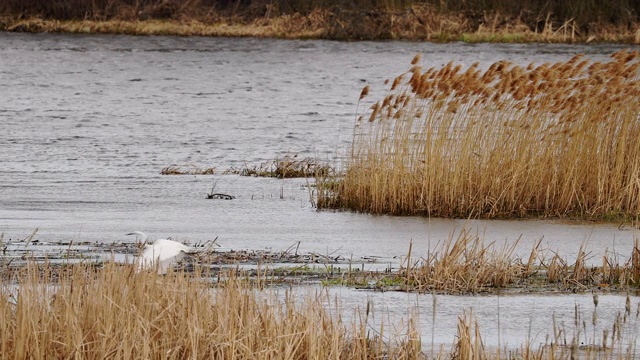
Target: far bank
[361, 20]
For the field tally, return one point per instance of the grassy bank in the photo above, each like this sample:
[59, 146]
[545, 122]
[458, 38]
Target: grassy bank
[473, 21]
[554, 140]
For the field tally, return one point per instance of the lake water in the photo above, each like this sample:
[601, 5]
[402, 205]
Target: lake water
[88, 122]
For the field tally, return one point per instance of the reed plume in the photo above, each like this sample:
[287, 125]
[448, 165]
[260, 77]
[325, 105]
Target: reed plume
[555, 140]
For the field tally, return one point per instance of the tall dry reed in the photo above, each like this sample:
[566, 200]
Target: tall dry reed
[117, 313]
[465, 263]
[554, 140]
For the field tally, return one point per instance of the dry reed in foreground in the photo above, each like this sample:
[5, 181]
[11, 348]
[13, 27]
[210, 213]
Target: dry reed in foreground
[116, 313]
[555, 140]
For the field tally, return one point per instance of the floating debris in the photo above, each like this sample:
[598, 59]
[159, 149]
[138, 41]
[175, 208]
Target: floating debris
[287, 167]
[188, 169]
[220, 196]
[15, 254]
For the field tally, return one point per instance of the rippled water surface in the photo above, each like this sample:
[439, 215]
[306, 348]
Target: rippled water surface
[88, 122]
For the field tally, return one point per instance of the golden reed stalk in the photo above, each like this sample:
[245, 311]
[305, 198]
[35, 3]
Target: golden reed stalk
[116, 313]
[466, 264]
[554, 140]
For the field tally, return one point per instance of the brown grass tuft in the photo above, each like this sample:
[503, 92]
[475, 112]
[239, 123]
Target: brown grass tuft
[289, 166]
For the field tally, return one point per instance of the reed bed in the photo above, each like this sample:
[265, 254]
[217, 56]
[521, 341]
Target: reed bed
[466, 264]
[118, 313]
[553, 140]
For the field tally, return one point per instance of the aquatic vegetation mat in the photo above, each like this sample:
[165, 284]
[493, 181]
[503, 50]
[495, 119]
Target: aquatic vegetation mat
[463, 263]
[60, 255]
[189, 169]
[289, 166]
[552, 140]
[286, 167]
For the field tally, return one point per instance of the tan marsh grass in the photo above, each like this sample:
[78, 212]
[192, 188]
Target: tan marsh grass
[466, 264]
[117, 313]
[551, 140]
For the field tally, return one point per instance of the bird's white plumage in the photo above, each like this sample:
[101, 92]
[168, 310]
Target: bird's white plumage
[162, 254]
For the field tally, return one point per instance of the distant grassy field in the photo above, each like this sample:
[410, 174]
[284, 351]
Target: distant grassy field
[448, 20]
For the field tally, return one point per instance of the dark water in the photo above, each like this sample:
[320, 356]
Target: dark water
[88, 122]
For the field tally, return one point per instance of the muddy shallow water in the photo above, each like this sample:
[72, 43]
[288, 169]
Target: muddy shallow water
[88, 122]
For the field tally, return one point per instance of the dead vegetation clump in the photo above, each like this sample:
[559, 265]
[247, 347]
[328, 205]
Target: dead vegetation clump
[189, 169]
[552, 140]
[465, 264]
[288, 166]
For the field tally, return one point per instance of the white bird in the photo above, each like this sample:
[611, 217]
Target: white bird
[162, 254]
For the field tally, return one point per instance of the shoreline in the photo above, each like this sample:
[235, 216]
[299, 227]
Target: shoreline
[299, 27]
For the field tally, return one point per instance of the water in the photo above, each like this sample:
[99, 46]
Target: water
[505, 321]
[88, 122]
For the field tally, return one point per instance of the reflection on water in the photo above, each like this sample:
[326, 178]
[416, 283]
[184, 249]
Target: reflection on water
[88, 122]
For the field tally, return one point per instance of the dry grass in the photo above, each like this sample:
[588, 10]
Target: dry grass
[554, 140]
[465, 264]
[288, 26]
[189, 169]
[289, 166]
[114, 312]
[117, 313]
[533, 21]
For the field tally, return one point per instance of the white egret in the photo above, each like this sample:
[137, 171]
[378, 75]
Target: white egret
[162, 254]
